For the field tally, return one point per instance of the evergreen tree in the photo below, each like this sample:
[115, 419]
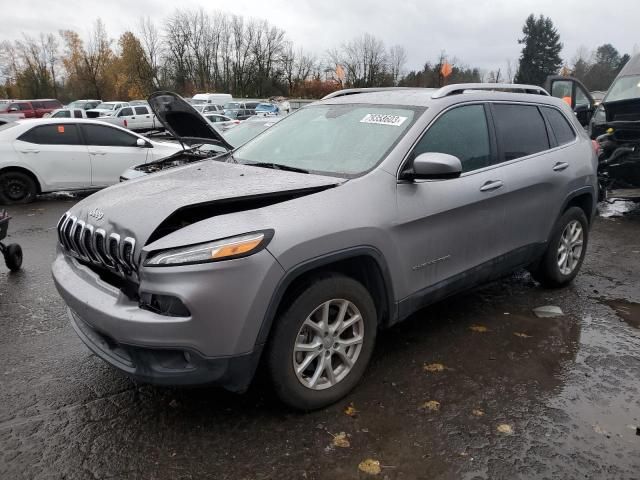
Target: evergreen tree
[540, 55]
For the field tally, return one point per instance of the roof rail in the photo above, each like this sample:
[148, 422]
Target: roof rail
[458, 88]
[353, 91]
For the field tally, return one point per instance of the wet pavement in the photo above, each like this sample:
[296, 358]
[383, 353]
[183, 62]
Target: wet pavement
[475, 387]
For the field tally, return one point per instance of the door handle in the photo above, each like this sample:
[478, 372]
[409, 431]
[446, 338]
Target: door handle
[30, 150]
[491, 185]
[558, 167]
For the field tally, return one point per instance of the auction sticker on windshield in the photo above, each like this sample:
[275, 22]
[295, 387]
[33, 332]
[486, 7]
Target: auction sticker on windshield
[382, 119]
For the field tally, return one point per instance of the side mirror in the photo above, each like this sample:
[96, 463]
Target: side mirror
[142, 143]
[433, 166]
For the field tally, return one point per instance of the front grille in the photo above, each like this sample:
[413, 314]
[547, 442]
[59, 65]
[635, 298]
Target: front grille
[92, 245]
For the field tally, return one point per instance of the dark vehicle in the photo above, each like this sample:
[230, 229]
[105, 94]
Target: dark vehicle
[240, 110]
[12, 253]
[18, 106]
[614, 124]
[44, 106]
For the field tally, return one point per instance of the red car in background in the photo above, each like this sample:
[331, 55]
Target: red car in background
[30, 108]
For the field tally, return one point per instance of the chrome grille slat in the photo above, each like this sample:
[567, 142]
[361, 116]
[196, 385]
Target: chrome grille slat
[84, 241]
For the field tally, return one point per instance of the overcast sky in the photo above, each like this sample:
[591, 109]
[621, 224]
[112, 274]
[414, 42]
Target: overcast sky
[480, 33]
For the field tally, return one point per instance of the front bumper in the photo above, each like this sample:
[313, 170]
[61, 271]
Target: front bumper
[227, 302]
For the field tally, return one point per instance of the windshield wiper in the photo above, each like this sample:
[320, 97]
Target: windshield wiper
[278, 166]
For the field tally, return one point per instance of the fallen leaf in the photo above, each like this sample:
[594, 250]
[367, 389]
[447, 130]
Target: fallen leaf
[341, 440]
[432, 405]
[434, 367]
[370, 466]
[350, 410]
[505, 429]
[521, 335]
[478, 328]
[477, 412]
[548, 311]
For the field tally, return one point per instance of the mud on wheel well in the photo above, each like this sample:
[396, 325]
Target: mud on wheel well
[583, 201]
[26, 172]
[362, 268]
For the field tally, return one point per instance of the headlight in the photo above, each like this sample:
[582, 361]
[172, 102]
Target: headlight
[225, 249]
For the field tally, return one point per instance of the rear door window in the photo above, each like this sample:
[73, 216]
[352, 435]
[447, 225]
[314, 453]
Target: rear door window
[101, 135]
[520, 130]
[559, 126]
[141, 110]
[461, 132]
[62, 114]
[77, 113]
[55, 134]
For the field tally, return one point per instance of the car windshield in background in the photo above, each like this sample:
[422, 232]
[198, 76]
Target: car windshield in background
[341, 140]
[197, 101]
[106, 106]
[624, 88]
[231, 106]
[265, 107]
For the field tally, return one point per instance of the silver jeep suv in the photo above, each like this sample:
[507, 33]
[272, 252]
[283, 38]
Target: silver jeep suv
[341, 220]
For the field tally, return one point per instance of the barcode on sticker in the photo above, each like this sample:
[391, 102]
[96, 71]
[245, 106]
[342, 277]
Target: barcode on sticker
[382, 119]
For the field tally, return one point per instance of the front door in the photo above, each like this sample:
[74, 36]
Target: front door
[111, 151]
[449, 227]
[575, 94]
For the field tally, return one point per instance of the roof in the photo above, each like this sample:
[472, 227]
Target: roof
[424, 97]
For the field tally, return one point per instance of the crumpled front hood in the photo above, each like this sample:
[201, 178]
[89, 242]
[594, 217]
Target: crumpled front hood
[138, 207]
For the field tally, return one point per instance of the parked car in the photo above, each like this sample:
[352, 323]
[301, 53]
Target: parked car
[210, 98]
[67, 113]
[20, 108]
[267, 109]
[208, 144]
[137, 117]
[84, 104]
[45, 106]
[240, 110]
[44, 155]
[138, 102]
[296, 249]
[106, 109]
[283, 104]
[221, 122]
[613, 124]
[208, 108]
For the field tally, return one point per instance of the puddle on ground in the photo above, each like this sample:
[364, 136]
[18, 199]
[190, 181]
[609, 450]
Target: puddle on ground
[628, 311]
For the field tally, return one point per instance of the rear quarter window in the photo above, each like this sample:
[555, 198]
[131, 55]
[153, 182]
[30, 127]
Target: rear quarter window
[559, 126]
[520, 130]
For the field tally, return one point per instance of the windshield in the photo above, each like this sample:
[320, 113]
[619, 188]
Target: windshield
[231, 105]
[344, 140]
[198, 101]
[265, 107]
[245, 131]
[624, 88]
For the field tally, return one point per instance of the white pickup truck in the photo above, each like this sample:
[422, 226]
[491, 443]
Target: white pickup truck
[134, 117]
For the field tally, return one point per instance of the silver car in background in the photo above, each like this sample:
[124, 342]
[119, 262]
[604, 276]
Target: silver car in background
[301, 246]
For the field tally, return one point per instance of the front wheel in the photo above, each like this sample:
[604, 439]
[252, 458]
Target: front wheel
[322, 344]
[565, 252]
[16, 187]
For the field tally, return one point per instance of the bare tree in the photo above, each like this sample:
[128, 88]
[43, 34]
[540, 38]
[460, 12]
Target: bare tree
[96, 56]
[397, 60]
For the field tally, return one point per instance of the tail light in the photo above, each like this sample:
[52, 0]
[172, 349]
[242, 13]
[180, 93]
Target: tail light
[125, 123]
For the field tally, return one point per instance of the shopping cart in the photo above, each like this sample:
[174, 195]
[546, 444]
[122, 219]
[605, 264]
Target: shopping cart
[12, 253]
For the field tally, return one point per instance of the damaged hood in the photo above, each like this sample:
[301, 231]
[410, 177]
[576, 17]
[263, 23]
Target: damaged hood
[183, 121]
[148, 208]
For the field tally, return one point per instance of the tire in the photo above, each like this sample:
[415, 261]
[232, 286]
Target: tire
[338, 293]
[13, 257]
[549, 271]
[17, 187]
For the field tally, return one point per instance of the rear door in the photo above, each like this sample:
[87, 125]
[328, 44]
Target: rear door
[143, 117]
[126, 116]
[57, 154]
[449, 227]
[537, 166]
[111, 151]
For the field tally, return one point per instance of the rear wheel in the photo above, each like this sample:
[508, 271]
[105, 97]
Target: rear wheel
[17, 187]
[565, 252]
[321, 345]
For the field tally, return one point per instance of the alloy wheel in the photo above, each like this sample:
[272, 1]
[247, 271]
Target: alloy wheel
[570, 247]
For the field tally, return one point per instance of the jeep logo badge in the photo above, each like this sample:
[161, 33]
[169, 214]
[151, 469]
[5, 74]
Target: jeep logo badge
[96, 213]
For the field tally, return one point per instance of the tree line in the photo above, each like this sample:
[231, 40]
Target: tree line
[194, 51]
